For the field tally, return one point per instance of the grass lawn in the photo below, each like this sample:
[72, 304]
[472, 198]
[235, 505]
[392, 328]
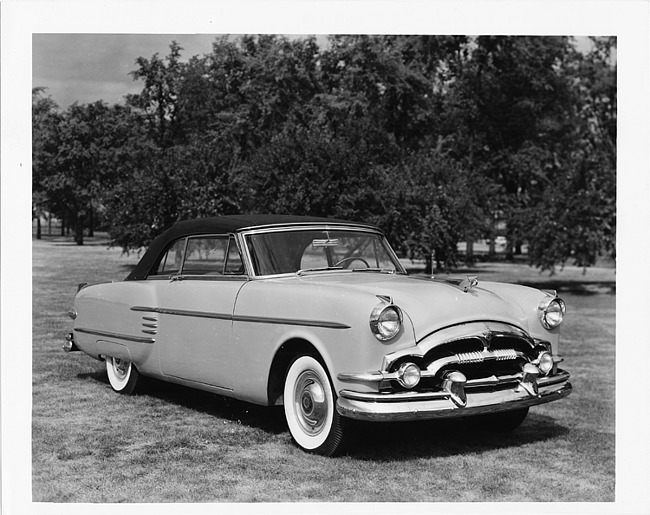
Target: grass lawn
[174, 444]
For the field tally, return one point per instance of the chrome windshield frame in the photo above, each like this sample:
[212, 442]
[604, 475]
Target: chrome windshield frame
[242, 237]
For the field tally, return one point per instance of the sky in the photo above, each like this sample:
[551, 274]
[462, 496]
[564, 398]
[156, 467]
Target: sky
[89, 67]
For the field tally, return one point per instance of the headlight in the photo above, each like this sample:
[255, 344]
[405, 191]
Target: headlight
[551, 312]
[385, 321]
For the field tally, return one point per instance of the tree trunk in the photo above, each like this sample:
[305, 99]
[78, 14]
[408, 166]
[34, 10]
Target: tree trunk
[38, 227]
[510, 243]
[428, 267]
[510, 256]
[79, 229]
[91, 222]
[469, 252]
[441, 258]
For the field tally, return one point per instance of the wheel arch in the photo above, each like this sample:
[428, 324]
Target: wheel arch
[284, 356]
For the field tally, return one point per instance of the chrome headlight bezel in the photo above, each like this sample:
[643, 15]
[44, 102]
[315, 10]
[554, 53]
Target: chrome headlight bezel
[545, 362]
[408, 375]
[551, 312]
[379, 321]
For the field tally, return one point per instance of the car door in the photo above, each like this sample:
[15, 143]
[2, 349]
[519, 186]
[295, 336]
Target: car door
[196, 307]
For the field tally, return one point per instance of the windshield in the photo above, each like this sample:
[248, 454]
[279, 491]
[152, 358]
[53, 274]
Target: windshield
[293, 251]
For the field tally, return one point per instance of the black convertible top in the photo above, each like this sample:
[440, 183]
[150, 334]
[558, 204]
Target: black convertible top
[218, 225]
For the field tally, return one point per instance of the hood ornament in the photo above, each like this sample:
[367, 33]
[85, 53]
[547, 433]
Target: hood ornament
[468, 283]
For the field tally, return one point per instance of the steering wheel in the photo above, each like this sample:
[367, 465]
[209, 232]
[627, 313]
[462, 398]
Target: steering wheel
[350, 259]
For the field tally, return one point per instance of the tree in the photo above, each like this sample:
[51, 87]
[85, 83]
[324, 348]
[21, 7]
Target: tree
[437, 207]
[428, 136]
[45, 119]
[85, 144]
[160, 95]
[162, 186]
[576, 215]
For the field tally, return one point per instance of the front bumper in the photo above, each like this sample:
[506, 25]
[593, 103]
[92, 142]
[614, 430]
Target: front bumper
[454, 400]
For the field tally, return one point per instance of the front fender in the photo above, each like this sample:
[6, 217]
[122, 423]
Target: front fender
[269, 313]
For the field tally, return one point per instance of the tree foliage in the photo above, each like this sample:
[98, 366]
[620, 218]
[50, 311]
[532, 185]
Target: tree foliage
[437, 139]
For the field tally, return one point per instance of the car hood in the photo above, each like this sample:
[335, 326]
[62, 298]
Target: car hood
[431, 304]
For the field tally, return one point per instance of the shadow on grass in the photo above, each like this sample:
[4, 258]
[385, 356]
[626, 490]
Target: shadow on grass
[576, 288]
[401, 441]
[269, 420]
[398, 441]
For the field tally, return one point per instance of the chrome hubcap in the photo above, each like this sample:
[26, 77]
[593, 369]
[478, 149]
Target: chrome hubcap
[311, 403]
[121, 367]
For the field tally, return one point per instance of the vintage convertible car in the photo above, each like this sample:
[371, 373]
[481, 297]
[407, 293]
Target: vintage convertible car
[319, 315]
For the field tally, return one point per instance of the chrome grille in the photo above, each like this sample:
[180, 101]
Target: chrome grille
[475, 364]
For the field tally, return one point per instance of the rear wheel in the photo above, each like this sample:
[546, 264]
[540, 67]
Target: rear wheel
[310, 408]
[122, 375]
[503, 422]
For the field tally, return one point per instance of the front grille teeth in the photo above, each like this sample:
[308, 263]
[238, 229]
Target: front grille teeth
[468, 358]
[480, 357]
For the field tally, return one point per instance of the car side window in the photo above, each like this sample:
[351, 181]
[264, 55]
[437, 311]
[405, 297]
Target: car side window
[205, 255]
[171, 262]
[234, 264]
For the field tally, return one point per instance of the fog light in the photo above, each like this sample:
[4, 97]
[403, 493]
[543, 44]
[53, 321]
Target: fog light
[408, 375]
[545, 362]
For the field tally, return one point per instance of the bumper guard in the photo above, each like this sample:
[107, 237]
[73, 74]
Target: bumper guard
[457, 398]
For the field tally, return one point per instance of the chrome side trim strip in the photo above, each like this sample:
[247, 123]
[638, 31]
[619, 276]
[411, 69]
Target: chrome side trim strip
[119, 336]
[243, 318]
[183, 312]
[290, 321]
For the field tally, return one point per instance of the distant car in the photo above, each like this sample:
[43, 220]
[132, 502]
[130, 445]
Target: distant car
[500, 241]
[319, 315]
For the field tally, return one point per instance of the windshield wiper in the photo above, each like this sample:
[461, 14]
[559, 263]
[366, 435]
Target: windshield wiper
[320, 269]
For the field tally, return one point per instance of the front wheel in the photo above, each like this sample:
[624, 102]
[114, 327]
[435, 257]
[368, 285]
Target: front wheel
[122, 375]
[310, 408]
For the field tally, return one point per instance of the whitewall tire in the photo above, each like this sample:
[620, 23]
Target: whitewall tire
[310, 408]
[122, 375]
